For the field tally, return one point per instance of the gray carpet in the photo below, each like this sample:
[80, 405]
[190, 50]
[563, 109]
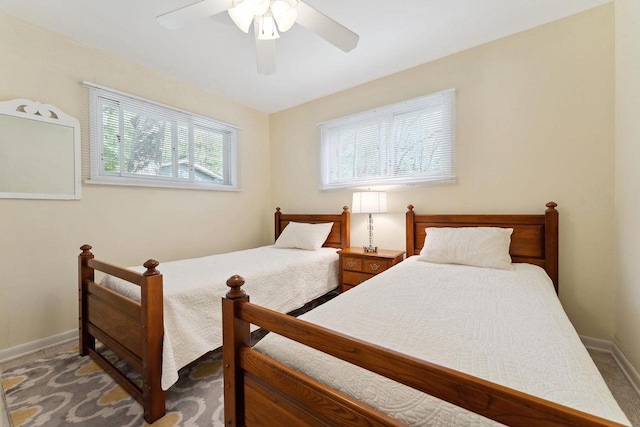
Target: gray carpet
[56, 387]
[619, 385]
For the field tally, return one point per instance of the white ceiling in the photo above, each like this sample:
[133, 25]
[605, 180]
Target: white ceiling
[216, 56]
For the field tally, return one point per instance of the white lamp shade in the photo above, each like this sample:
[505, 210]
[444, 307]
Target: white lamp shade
[369, 202]
[241, 16]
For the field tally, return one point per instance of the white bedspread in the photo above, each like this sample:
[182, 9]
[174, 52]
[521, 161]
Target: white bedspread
[281, 279]
[504, 326]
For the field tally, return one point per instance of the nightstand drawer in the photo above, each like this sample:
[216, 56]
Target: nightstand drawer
[353, 278]
[353, 264]
[375, 266]
[357, 265]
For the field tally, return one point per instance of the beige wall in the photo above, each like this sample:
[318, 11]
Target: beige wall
[627, 178]
[39, 239]
[535, 123]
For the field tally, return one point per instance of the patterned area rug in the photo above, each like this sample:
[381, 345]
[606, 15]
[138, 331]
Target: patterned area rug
[69, 390]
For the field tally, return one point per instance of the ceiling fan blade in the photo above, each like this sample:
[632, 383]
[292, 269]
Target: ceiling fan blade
[202, 9]
[266, 56]
[330, 30]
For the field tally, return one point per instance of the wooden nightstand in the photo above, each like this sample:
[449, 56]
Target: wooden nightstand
[356, 265]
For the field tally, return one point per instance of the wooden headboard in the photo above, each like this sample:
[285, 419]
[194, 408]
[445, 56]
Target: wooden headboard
[339, 237]
[534, 239]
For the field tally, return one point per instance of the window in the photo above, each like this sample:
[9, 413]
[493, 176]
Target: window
[404, 143]
[138, 142]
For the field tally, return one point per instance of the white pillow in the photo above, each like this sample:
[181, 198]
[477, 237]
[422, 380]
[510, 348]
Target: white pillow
[304, 236]
[477, 246]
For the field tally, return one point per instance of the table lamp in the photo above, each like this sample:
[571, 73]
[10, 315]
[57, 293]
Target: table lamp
[369, 202]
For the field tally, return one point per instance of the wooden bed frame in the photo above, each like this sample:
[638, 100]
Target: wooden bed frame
[134, 330]
[262, 391]
[534, 239]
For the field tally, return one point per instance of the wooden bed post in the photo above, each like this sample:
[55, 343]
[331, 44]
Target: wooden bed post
[551, 242]
[85, 275]
[345, 231]
[152, 315]
[235, 334]
[409, 231]
[277, 229]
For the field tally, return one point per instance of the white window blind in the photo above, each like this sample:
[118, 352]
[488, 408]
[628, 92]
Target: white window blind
[139, 142]
[404, 143]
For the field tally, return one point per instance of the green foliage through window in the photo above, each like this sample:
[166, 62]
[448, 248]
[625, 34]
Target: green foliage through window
[408, 142]
[134, 139]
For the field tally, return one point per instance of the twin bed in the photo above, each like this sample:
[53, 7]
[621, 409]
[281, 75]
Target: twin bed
[159, 323]
[424, 343]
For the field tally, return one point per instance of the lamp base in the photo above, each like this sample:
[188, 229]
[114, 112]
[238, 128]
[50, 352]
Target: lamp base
[370, 248]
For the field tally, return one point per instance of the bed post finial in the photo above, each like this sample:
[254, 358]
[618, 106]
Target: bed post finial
[410, 208]
[235, 283]
[151, 265]
[551, 206]
[86, 251]
[277, 209]
[345, 209]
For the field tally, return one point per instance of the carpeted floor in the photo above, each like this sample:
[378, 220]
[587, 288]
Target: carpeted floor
[58, 388]
[620, 387]
[4, 415]
[67, 390]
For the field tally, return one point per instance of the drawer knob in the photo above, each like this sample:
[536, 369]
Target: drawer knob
[351, 263]
[362, 279]
[375, 267]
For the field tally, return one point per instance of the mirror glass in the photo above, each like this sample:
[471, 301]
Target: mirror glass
[39, 152]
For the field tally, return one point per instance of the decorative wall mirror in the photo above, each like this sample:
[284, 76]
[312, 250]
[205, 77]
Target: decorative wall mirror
[39, 152]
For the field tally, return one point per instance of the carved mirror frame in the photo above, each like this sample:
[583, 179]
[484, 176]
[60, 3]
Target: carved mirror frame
[39, 152]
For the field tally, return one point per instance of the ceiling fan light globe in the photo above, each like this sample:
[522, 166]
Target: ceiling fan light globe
[278, 8]
[284, 14]
[241, 16]
[257, 7]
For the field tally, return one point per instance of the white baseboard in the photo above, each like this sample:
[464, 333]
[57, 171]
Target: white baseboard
[610, 347]
[597, 344]
[37, 345]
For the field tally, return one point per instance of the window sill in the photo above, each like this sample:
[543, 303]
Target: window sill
[155, 184]
[383, 185]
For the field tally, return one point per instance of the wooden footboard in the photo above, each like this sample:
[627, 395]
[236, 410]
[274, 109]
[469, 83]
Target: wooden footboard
[133, 330]
[259, 390]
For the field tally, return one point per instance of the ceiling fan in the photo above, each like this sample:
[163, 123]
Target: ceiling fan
[268, 17]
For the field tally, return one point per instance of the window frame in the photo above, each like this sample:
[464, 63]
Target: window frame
[100, 96]
[387, 144]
